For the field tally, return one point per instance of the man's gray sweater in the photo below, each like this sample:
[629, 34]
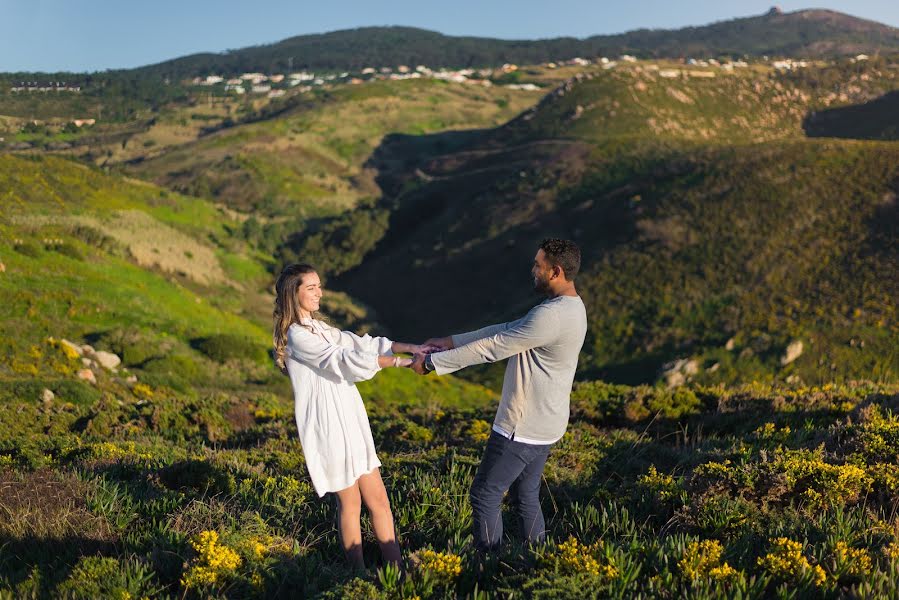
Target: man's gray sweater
[544, 347]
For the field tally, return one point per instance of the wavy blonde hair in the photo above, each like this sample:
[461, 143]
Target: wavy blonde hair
[287, 308]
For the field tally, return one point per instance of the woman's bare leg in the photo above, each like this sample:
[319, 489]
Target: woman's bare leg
[374, 495]
[349, 512]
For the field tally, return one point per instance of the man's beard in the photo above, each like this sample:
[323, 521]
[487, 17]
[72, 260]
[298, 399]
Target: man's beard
[541, 286]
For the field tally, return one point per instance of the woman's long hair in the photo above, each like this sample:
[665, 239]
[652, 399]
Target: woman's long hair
[287, 308]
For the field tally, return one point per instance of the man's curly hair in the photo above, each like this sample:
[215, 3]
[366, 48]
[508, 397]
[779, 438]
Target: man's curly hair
[562, 253]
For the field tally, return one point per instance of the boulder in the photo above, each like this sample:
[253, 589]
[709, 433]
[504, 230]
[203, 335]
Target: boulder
[87, 375]
[793, 351]
[677, 372]
[108, 360]
[47, 396]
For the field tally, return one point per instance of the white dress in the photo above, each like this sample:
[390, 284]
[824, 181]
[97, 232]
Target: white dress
[324, 364]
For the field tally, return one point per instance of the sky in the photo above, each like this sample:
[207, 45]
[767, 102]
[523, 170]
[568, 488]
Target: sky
[95, 35]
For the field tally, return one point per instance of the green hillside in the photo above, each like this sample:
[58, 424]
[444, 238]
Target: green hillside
[726, 224]
[310, 159]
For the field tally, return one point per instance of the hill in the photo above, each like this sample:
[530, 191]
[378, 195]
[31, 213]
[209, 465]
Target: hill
[805, 33]
[704, 220]
[307, 157]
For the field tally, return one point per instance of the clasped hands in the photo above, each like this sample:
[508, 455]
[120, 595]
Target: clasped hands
[420, 351]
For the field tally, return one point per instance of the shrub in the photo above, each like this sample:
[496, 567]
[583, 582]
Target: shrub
[224, 346]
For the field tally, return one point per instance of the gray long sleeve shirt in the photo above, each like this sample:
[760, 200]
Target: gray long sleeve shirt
[543, 348]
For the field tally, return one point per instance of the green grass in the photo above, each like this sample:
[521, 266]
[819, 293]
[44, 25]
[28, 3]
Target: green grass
[309, 161]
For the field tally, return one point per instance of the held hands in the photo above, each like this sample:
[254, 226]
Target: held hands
[418, 363]
[440, 344]
[402, 361]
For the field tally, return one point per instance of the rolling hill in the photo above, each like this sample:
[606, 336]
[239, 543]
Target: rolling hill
[805, 33]
[708, 218]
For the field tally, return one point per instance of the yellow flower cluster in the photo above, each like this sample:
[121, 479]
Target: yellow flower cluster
[769, 431]
[213, 561]
[142, 390]
[855, 562]
[787, 562]
[826, 482]
[445, 566]
[891, 551]
[108, 450]
[479, 430]
[663, 485]
[260, 546]
[702, 560]
[574, 557]
[262, 414]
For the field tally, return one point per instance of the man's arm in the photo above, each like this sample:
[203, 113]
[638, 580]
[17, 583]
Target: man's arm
[538, 328]
[460, 339]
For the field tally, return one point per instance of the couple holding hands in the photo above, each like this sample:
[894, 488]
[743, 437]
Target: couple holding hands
[324, 364]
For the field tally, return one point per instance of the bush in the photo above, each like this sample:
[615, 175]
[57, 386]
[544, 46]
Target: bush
[222, 347]
[70, 251]
[65, 390]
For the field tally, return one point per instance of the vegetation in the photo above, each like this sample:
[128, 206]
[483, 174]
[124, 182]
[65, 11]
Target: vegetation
[705, 225]
[808, 33]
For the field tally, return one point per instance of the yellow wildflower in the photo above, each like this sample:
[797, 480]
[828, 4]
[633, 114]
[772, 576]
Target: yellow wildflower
[855, 561]
[445, 566]
[786, 562]
[703, 560]
[479, 430]
[574, 557]
[213, 561]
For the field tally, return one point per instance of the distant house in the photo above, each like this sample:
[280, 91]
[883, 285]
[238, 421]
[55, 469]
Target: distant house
[276, 93]
[628, 58]
[368, 70]
[403, 69]
[276, 78]
[261, 89]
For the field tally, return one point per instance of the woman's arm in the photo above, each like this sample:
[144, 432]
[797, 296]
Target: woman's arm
[394, 361]
[406, 348]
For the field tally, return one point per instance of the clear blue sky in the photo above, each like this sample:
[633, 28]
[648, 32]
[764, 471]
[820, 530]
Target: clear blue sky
[94, 35]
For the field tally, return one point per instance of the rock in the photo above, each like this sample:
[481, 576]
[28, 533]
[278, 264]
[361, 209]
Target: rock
[87, 375]
[47, 396]
[677, 372]
[730, 345]
[714, 367]
[793, 351]
[675, 379]
[131, 379]
[2, 268]
[86, 361]
[108, 360]
[73, 347]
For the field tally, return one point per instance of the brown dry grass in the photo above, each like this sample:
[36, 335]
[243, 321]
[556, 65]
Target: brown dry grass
[48, 504]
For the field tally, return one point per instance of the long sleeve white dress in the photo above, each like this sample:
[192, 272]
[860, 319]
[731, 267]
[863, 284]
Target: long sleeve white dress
[324, 364]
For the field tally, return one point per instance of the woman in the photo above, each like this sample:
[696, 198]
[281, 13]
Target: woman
[323, 364]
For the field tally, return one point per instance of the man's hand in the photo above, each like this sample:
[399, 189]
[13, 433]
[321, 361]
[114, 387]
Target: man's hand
[444, 343]
[418, 364]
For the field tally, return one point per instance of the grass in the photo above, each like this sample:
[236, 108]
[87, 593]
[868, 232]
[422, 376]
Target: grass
[311, 160]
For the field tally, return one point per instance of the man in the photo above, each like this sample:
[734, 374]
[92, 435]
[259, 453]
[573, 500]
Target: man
[543, 349]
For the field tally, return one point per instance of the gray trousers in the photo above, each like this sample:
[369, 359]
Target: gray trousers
[508, 464]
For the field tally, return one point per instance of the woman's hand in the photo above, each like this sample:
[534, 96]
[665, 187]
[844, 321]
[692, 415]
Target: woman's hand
[400, 347]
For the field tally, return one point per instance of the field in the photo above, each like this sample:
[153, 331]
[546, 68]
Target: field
[735, 420]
